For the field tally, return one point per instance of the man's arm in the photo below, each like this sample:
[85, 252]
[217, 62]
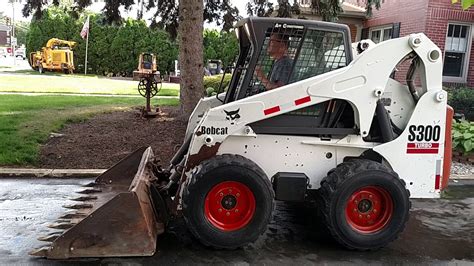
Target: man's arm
[265, 81]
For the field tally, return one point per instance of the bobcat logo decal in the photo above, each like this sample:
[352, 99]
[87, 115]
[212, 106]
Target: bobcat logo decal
[232, 115]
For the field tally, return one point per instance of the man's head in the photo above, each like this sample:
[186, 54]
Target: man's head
[278, 45]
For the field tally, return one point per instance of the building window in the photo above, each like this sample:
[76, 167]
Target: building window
[456, 52]
[381, 34]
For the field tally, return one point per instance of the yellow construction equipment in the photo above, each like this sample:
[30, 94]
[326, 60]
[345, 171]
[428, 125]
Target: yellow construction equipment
[146, 66]
[55, 56]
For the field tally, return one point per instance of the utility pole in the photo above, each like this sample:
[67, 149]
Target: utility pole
[87, 46]
[85, 34]
[12, 38]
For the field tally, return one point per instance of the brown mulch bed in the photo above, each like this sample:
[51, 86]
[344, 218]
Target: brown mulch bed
[105, 139]
[460, 157]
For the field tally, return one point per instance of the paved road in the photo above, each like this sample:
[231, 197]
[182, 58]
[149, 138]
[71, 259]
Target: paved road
[13, 64]
[439, 231]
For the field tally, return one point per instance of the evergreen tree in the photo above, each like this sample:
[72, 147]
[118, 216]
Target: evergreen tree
[329, 10]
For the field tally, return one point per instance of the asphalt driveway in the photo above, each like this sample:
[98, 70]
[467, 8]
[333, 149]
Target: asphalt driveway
[439, 231]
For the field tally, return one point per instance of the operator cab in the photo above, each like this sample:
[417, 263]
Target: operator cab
[305, 49]
[214, 66]
[147, 62]
[313, 48]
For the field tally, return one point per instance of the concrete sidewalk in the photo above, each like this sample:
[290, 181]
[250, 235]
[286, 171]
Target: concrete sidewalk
[83, 94]
[462, 177]
[50, 173]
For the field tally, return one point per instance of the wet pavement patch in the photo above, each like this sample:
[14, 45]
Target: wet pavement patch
[439, 231]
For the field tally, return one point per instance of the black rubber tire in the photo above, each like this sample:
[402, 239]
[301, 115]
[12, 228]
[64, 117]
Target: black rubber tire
[219, 169]
[342, 182]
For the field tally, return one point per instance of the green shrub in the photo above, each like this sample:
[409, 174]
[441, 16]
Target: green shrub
[210, 91]
[462, 100]
[113, 49]
[214, 82]
[463, 136]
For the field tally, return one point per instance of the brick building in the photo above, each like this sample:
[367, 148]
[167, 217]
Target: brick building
[352, 15]
[4, 35]
[446, 24]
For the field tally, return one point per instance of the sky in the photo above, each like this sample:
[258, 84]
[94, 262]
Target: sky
[7, 8]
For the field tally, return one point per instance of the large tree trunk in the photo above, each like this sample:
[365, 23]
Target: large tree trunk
[190, 33]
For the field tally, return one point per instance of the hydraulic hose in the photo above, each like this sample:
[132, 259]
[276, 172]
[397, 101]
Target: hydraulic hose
[410, 79]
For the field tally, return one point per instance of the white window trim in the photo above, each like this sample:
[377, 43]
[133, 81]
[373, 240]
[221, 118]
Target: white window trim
[304, 5]
[381, 29]
[463, 78]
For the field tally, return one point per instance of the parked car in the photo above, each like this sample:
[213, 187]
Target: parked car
[3, 52]
[20, 53]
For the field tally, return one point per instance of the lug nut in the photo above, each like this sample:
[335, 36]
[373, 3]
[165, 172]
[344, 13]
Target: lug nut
[220, 210]
[228, 213]
[221, 194]
[238, 194]
[236, 210]
[375, 210]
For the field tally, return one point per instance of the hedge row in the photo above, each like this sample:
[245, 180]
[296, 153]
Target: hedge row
[212, 83]
[115, 49]
[462, 100]
[112, 49]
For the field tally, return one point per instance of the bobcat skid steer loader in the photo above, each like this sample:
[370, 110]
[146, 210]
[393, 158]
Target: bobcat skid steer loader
[303, 117]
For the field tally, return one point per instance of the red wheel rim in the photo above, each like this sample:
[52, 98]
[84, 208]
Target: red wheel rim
[369, 209]
[229, 206]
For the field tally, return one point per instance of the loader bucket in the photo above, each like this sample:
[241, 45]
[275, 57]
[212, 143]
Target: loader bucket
[114, 217]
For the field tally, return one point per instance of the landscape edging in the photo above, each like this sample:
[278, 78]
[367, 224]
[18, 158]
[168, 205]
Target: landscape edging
[49, 173]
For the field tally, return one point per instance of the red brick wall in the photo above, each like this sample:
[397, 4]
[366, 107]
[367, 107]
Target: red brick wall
[440, 12]
[410, 13]
[353, 30]
[470, 72]
[3, 38]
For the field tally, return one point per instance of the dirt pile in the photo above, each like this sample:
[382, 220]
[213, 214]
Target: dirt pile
[105, 139]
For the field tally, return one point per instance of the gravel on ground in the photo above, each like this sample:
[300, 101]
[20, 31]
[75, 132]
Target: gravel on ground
[462, 169]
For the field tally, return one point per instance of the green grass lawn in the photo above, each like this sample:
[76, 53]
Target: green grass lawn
[27, 121]
[52, 82]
